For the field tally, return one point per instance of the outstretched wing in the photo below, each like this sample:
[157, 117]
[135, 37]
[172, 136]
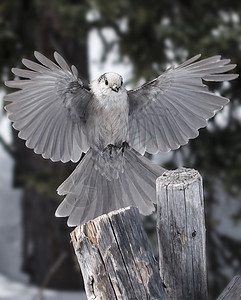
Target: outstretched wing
[49, 110]
[168, 111]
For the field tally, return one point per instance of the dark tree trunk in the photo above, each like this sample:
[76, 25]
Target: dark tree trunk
[46, 241]
[47, 254]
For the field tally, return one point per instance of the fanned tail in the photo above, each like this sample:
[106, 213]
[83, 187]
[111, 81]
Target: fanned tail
[90, 193]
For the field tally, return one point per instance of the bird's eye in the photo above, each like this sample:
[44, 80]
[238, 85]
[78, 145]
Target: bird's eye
[106, 82]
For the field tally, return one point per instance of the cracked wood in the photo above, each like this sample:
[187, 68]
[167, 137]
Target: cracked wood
[116, 258]
[181, 234]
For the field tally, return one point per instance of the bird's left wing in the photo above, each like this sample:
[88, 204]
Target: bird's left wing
[49, 110]
[168, 111]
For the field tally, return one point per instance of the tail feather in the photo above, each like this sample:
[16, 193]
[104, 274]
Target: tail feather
[125, 189]
[141, 166]
[114, 194]
[137, 195]
[90, 194]
[142, 192]
[69, 185]
[86, 206]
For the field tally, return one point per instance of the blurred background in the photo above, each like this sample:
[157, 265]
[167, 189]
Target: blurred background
[139, 40]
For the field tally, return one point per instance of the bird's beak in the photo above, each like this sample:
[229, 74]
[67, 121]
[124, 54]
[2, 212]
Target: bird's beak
[115, 88]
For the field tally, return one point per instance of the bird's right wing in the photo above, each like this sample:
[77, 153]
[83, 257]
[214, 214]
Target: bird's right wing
[49, 110]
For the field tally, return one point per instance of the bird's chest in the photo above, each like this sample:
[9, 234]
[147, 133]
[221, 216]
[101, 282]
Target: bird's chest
[110, 122]
[112, 118]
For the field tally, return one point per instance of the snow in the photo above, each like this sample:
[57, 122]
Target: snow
[10, 290]
[10, 218]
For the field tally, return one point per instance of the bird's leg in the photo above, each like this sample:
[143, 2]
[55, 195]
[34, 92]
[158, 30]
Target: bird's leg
[109, 149]
[124, 146]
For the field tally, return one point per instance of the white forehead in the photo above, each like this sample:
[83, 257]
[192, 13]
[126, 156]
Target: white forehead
[112, 77]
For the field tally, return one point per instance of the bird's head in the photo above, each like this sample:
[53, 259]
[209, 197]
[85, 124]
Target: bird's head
[108, 84]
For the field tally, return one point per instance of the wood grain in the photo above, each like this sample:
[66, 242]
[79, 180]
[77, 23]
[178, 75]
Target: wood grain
[233, 290]
[181, 234]
[116, 258]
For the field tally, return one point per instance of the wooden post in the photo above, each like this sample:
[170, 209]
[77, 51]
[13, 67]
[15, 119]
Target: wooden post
[181, 234]
[233, 290]
[116, 258]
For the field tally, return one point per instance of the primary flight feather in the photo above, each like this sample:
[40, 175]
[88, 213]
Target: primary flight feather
[59, 117]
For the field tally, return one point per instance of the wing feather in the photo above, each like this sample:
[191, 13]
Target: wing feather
[49, 109]
[62, 63]
[189, 61]
[46, 62]
[24, 73]
[35, 66]
[166, 112]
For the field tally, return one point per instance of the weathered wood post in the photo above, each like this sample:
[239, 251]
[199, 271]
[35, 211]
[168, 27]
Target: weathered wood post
[181, 234]
[116, 258]
[232, 290]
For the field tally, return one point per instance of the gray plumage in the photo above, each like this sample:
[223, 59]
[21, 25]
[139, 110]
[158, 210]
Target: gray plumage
[59, 118]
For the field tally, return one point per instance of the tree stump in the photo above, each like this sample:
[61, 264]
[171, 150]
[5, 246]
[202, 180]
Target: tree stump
[116, 258]
[181, 234]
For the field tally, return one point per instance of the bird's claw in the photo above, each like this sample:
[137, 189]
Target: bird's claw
[113, 150]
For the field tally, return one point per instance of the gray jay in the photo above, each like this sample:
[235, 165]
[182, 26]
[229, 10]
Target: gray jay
[60, 117]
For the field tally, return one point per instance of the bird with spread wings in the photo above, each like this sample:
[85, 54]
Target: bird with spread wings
[60, 118]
